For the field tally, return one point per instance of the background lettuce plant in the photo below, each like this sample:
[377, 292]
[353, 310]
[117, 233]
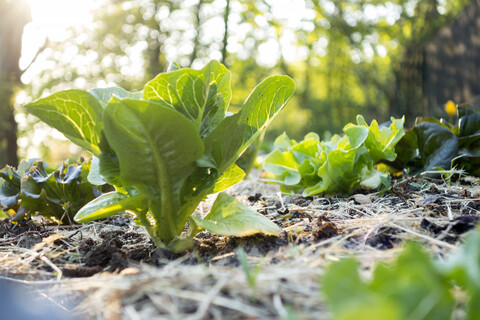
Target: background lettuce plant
[415, 286]
[167, 147]
[436, 144]
[56, 194]
[338, 165]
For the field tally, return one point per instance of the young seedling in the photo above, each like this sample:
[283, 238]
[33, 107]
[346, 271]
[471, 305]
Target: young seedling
[251, 272]
[167, 147]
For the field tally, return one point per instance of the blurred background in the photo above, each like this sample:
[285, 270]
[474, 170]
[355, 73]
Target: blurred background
[378, 58]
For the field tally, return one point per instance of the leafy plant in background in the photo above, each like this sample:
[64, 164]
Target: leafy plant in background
[338, 165]
[166, 148]
[56, 194]
[414, 287]
[436, 144]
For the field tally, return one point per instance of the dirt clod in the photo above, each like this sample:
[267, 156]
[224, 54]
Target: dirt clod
[323, 229]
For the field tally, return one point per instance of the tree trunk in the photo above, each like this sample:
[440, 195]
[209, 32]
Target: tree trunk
[14, 15]
[196, 24]
[225, 33]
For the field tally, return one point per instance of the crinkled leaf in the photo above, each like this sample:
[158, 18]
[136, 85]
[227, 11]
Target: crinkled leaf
[293, 163]
[284, 166]
[201, 95]
[338, 165]
[341, 172]
[9, 187]
[10, 183]
[75, 113]
[308, 148]
[309, 171]
[8, 194]
[56, 195]
[283, 142]
[230, 217]
[357, 134]
[25, 165]
[109, 204]
[375, 178]
[381, 141]
[10, 175]
[235, 133]
[35, 199]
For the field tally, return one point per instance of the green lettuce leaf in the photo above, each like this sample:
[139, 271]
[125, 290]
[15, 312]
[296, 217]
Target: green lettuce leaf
[235, 133]
[230, 177]
[361, 302]
[201, 95]
[111, 203]
[75, 113]
[463, 266]
[412, 288]
[229, 217]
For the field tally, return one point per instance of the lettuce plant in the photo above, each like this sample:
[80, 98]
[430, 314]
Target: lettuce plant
[57, 194]
[338, 165]
[412, 287]
[436, 144]
[167, 147]
[415, 286]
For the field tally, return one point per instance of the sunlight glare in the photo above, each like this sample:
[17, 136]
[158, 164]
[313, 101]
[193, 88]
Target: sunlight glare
[51, 19]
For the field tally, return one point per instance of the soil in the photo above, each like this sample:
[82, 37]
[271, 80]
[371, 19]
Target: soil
[208, 281]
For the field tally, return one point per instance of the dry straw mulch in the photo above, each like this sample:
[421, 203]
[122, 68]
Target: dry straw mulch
[209, 282]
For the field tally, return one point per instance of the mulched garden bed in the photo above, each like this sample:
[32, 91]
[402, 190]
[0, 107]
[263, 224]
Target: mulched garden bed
[112, 270]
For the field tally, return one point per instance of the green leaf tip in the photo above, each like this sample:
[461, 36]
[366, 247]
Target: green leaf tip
[229, 217]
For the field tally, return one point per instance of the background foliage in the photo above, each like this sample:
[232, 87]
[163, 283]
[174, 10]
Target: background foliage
[346, 56]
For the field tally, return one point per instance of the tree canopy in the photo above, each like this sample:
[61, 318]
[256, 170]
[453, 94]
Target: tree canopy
[345, 56]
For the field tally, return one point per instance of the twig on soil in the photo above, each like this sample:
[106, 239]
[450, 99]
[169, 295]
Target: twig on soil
[432, 240]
